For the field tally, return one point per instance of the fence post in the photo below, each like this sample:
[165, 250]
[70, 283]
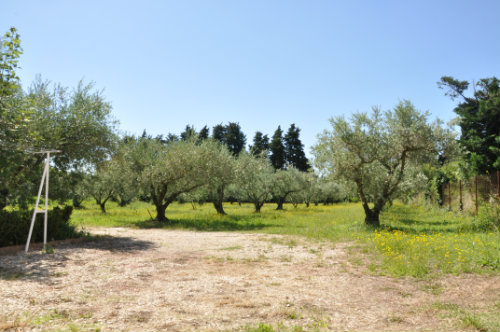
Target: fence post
[475, 188]
[461, 202]
[498, 184]
[449, 195]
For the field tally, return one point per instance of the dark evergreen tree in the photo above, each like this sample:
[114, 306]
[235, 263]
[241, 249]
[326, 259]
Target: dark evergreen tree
[260, 144]
[277, 149]
[203, 134]
[219, 133]
[231, 135]
[188, 133]
[171, 138]
[479, 120]
[145, 135]
[161, 139]
[294, 149]
[235, 138]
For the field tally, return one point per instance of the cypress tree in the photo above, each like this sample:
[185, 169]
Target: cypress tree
[231, 135]
[277, 148]
[294, 149]
[260, 144]
[235, 138]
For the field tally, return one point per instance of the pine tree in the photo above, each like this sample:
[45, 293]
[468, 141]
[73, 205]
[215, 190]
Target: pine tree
[260, 144]
[294, 149]
[277, 150]
[188, 133]
[479, 120]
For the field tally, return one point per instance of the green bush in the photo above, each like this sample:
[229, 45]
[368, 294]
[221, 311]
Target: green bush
[488, 218]
[15, 225]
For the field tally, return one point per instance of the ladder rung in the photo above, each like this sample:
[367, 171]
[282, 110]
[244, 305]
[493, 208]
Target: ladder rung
[40, 211]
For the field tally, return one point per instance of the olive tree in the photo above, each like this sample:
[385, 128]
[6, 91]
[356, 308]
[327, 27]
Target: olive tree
[101, 185]
[126, 184]
[78, 122]
[286, 182]
[166, 171]
[310, 190]
[254, 180]
[221, 172]
[374, 151]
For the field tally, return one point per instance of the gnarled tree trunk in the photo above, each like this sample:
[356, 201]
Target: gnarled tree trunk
[160, 213]
[218, 200]
[280, 201]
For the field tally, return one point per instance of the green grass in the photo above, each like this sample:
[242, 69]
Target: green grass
[333, 223]
[413, 241]
[488, 319]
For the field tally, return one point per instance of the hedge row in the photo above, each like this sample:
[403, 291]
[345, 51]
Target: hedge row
[15, 225]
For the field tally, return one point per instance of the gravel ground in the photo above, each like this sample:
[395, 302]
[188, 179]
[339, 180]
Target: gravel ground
[151, 280]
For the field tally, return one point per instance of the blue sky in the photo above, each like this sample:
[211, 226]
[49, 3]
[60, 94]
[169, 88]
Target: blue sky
[165, 64]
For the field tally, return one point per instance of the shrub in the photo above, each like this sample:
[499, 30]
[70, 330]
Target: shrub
[488, 218]
[15, 225]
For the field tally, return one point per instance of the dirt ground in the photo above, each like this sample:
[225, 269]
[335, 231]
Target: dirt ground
[152, 280]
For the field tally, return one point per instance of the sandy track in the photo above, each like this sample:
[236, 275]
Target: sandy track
[152, 280]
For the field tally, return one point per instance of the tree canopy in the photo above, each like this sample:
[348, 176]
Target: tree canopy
[374, 152]
[479, 120]
[77, 122]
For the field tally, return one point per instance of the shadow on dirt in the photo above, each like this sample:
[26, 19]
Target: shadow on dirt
[207, 225]
[42, 267]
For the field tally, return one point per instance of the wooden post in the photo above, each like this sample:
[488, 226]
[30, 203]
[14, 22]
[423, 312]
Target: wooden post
[475, 186]
[498, 185]
[460, 190]
[449, 195]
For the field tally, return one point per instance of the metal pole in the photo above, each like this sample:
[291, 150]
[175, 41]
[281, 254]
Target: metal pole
[45, 170]
[45, 177]
[46, 202]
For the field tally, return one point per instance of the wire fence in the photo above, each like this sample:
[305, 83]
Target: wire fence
[468, 195]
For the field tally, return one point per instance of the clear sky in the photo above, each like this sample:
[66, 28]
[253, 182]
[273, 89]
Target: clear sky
[261, 63]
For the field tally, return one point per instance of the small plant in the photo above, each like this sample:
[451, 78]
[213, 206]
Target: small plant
[262, 327]
[472, 320]
[292, 315]
[48, 249]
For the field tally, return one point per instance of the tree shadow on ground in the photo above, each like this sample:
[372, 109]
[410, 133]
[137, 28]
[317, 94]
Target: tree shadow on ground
[419, 221]
[41, 267]
[422, 229]
[207, 225]
[416, 226]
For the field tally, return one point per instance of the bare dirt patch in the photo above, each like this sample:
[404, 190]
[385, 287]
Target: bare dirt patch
[151, 280]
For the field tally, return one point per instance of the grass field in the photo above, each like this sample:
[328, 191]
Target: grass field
[414, 241]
